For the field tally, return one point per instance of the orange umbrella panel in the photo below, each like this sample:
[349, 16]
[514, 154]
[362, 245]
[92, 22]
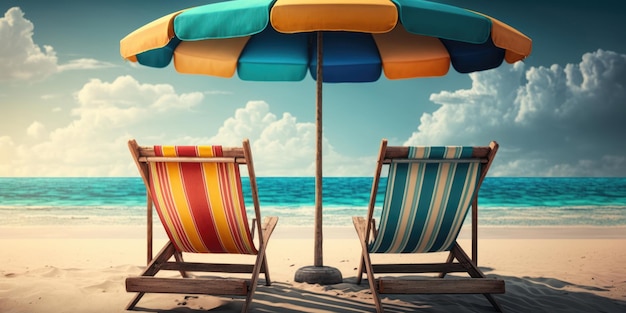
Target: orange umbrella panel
[367, 16]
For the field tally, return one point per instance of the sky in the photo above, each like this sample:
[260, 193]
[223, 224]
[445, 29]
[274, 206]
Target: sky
[69, 103]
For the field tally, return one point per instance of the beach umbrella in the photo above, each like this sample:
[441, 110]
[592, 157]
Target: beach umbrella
[335, 41]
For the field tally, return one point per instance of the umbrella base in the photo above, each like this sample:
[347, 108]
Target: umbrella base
[323, 275]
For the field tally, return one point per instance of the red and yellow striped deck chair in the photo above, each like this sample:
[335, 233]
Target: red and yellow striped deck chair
[197, 193]
[429, 193]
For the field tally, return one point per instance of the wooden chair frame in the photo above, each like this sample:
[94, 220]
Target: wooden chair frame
[148, 283]
[367, 231]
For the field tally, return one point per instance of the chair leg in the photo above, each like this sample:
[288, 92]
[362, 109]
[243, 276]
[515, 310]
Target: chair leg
[178, 256]
[266, 233]
[372, 282]
[448, 261]
[261, 260]
[465, 260]
[474, 272]
[493, 302]
[153, 268]
[266, 272]
[253, 280]
[360, 228]
[359, 273]
[131, 305]
[367, 263]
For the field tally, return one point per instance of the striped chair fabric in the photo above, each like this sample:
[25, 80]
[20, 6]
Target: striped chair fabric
[425, 202]
[201, 205]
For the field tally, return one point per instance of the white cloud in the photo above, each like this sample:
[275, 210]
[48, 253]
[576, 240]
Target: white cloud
[125, 99]
[556, 121]
[270, 137]
[283, 146]
[22, 59]
[50, 96]
[84, 64]
[217, 92]
[35, 129]
[94, 142]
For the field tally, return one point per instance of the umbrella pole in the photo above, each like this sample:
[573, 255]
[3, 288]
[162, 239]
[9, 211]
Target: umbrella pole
[318, 273]
[318, 256]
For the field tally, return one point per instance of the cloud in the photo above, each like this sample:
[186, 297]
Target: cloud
[49, 96]
[35, 129]
[550, 121]
[126, 99]
[216, 92]
[84, 64]
[94, 142]
[282, 146]
[21, 59]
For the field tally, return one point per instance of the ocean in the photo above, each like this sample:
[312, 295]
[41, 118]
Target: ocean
[503, 201]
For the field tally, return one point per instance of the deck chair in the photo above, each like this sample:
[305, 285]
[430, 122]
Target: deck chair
[197, 193]
[428, 195]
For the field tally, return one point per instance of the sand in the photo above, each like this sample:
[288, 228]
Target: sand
[83, 268]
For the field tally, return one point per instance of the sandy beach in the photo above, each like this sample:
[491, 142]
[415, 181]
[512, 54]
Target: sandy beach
[83, 268]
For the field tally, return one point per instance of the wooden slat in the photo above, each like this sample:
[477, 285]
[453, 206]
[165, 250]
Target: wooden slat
[229, 152]
[209, 267]
[438, 161]
[481, 152]
[394, 152]
[193, 160]
[418, 268]
[439, 286]
[187, 285]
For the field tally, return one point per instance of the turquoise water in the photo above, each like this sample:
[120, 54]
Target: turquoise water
[504, 201]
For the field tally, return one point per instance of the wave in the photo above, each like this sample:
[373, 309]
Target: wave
[305, 215]
[503, 201]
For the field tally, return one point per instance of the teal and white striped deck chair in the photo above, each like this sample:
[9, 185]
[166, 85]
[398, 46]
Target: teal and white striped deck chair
[429, 193]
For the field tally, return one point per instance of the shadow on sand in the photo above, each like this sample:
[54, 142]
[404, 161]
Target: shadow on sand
[524, 294]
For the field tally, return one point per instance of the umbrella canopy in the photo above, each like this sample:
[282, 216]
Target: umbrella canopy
[334, 40]
[273, 40]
